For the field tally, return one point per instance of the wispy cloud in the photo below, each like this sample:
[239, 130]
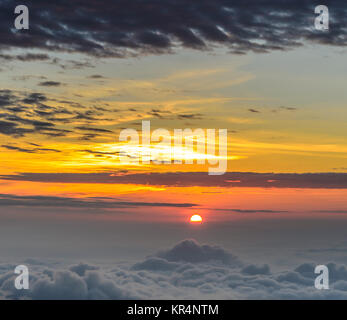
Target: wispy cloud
[100, 203]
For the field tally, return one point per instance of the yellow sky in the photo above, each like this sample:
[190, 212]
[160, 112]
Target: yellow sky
[269, 130]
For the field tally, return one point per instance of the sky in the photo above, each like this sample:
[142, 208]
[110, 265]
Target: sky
[74, 211]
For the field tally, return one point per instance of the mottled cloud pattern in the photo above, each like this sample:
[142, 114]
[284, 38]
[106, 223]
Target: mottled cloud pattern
[121, 28]
[170, 274]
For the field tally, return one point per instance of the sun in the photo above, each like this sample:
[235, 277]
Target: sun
[196, 218]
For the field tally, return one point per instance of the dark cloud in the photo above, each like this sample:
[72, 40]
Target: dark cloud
[25, 57]
[89, 136]
[96, 76]
[191, 251]
[50, 84]
[253, 110]
[94, 129]
[190, 116]
[12, 129]
[53, 132]
[51, 113]
[36, 123]
[100, 152]
[7, 98]
[166, 114]
[47, 149]
[104, 109]
[38, 126]
[188, 179]
[17, 109]
[122, 28]
[87, 115]
[35, 150]
[18, 149]
[25, 113]
[251, 211]
[35, 98]
[101, 203]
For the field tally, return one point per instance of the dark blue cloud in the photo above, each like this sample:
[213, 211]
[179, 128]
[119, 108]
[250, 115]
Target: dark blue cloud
[124, 28]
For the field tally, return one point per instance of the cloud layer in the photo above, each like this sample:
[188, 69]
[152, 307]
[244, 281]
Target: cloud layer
[122, 28]
[189, 179]
[209, 272]
[66, 202]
